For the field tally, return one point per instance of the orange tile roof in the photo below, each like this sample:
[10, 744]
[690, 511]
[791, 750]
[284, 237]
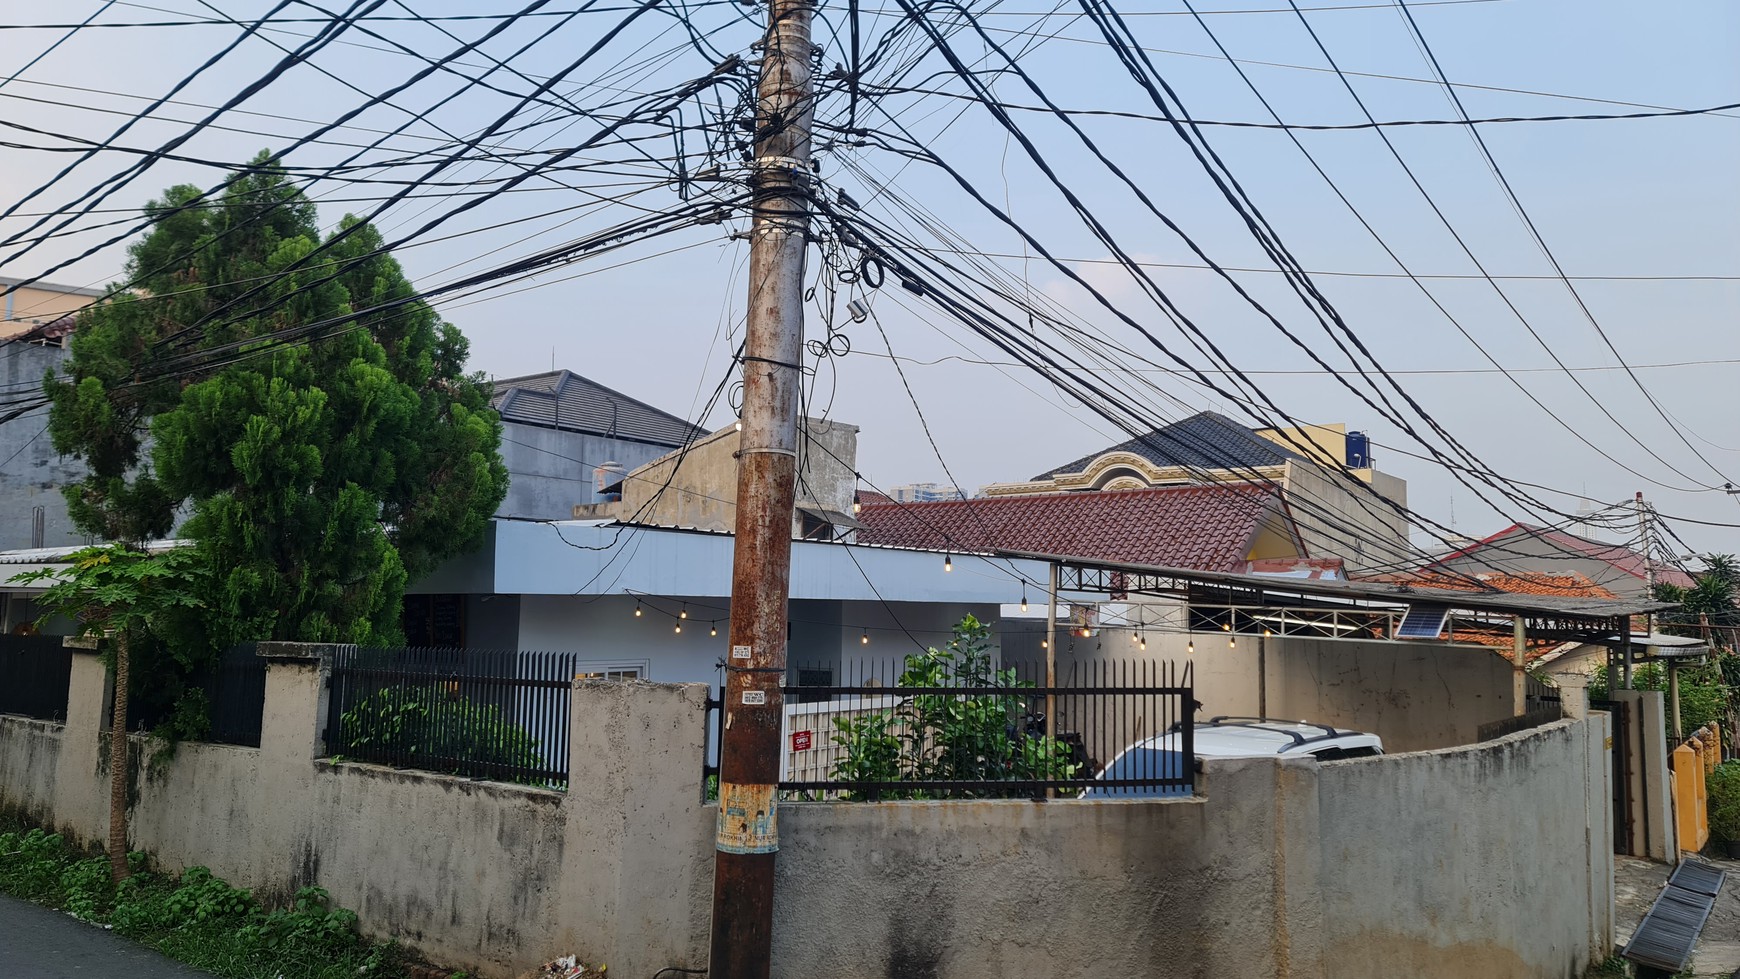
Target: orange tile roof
[1569, 584]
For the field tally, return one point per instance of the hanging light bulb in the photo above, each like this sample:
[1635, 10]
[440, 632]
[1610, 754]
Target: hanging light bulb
[1024, 596]
[679, 628]
[1226, 627]
[637, 608]
[1141, 643]
[1266, 631]
[714, 630]
[948, 562]
[864, 640]
[684, 613]
[1190, 647]
[1232, 642]
[740, 426]
[1044, 644]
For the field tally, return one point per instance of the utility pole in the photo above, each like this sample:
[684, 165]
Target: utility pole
[767, 455]
[1648, 583]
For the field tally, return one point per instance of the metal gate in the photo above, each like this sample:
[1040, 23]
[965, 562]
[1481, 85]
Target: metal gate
[1622, 739]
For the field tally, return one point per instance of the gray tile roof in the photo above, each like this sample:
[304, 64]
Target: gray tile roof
[1203, 441]
[563, 399]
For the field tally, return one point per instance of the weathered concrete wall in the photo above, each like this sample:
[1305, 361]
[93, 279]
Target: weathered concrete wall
[33, 472]
[28, 763]
[1173, 888]
[1475, 861]
[1416, 696]
[1484, 860]
[491, 877]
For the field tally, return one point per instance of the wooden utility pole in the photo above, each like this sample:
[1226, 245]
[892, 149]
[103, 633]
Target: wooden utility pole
[767, 457]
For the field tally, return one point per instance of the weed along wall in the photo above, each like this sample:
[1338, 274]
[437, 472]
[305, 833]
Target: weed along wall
[1484, 860]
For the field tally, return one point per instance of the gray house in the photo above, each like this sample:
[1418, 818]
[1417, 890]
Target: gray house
[559, 428]
[32, 511]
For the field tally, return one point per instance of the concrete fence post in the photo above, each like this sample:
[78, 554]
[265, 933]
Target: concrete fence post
[293, 724]
[638, 879]
[1573, 695]
[81, 804]
[292, 735]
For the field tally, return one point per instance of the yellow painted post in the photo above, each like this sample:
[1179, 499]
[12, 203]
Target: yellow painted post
[1691, 815]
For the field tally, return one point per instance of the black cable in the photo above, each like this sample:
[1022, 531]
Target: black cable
[1541, 241]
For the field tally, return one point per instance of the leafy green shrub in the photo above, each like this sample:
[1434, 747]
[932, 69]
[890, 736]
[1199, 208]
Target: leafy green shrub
[197, 918]
[1724, 798]
[873, 752]
[31, 865]
[1704, 696]
[89, 888]
[436, 730]
[935, 737]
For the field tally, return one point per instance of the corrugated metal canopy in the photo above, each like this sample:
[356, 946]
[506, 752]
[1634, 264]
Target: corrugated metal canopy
[1371, 591]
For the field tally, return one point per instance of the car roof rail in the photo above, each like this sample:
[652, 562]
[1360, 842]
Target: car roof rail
[1268, 724]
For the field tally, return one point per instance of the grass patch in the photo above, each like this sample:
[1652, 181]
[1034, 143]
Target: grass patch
[196, 918]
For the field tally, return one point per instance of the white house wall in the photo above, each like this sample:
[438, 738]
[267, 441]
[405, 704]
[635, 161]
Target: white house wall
[606, 633]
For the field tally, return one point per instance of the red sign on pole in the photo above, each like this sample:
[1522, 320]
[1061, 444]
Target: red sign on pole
[802, 740]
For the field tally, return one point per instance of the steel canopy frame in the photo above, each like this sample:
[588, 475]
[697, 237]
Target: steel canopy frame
[1349, 610]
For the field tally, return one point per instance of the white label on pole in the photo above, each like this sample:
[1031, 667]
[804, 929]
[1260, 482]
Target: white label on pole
[757, 697]
[741, 652]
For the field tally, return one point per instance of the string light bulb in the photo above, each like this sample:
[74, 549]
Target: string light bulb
[740, 426]
[948, 562]
[1232, 642]
[1266, 631]
[679, 628]
[637, 608]
[1141, 643]
[1190, 647]
[1024, 596]
[1044, 644]
[684, 613]
[714, 630]
[864, 640]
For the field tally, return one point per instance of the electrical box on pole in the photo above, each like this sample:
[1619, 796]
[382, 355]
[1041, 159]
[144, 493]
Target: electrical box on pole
[753, 705]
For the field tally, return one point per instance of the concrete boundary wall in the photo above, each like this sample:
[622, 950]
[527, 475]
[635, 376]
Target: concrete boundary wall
[1484, 860]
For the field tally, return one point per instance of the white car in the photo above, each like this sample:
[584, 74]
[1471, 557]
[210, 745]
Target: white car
[1225, 737]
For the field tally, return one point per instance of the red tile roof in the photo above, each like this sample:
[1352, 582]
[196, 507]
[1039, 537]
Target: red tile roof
[1622, 558]
[1208, 528]
[1569, 583]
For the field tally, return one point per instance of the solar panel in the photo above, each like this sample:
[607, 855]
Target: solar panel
[1423, 622]
[1669, 933]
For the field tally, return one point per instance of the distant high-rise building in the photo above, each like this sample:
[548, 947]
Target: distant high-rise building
[925, 493]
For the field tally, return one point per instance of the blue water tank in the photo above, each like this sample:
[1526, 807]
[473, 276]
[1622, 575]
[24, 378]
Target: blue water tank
[1358, 451]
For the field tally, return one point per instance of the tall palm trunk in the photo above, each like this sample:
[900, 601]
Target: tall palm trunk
[118, 764]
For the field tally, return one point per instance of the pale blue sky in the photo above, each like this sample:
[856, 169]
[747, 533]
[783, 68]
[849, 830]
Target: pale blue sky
[1650, 197]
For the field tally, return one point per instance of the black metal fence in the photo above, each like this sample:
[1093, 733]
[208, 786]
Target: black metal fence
[877, 730]
[34, 673]
[235, 697]
[501, 715]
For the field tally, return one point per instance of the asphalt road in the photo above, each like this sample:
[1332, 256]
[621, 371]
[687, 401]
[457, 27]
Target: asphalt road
[36, 943]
